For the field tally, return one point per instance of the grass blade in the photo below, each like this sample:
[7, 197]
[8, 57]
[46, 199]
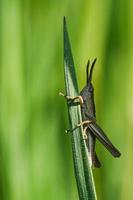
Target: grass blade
[83, 173]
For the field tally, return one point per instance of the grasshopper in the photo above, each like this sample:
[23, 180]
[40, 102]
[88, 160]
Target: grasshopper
[92, 130]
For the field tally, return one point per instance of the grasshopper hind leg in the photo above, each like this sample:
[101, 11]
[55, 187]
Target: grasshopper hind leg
[90, 142]
[95, 161]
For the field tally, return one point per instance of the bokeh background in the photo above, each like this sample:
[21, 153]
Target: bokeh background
[35, 153]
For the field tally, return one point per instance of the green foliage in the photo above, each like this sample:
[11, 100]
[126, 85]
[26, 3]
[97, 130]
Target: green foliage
[35, 154]
[83, 171]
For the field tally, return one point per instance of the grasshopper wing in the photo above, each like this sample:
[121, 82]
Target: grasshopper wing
[101, 136]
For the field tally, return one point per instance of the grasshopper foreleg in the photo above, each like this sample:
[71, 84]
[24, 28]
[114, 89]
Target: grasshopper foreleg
[79, 98]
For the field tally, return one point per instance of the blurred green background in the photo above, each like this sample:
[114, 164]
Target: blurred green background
[35, 152]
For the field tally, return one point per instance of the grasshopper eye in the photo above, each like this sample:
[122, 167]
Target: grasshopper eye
[90, 89]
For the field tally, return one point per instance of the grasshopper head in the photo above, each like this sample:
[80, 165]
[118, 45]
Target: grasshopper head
[87, 91]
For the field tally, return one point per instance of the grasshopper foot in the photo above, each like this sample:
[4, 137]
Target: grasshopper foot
[79, 125]
[79, 98]
[85, 122]
[84, 134]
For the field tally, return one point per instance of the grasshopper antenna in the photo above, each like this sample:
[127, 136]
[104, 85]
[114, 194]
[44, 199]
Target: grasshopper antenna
[87, 71]
[91, 70]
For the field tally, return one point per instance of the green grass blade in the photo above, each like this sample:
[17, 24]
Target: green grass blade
[82, 168]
